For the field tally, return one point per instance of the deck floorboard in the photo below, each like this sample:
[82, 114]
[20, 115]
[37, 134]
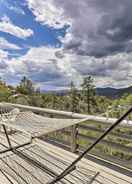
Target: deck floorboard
[20, 171]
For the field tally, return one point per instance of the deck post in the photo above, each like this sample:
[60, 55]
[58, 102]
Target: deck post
[74, 133]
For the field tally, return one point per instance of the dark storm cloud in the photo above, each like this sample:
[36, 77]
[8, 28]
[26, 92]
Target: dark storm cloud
[99, 27]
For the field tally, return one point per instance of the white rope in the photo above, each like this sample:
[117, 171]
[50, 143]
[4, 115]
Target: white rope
[33, 124]
[9, 116]
[8, 113]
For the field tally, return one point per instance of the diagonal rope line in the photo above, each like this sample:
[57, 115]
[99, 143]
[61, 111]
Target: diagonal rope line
[73, 164]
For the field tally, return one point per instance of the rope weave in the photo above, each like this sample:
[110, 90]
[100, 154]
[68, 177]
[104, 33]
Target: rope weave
[33, 124]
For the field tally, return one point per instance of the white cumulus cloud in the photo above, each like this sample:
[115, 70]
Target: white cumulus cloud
[43, 65]
[3, 54]
[4, 44]
[55, 68]
[8, 27]
[46, 12]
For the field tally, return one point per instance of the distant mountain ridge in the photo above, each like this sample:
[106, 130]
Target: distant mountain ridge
[108, 92]
[113, 92]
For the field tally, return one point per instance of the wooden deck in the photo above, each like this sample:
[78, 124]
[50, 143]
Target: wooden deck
[15, 169]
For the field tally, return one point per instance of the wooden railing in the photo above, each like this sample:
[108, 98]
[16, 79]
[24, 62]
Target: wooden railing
[57, 113]
[115, 148]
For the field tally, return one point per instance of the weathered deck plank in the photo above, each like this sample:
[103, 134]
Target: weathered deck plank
[56, 159]
[105, 173]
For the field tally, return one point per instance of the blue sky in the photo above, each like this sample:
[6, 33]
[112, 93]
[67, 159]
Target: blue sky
[53, 42]
[42, 34]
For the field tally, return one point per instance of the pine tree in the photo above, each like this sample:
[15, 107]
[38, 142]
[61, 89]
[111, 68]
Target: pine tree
[89, 92]
[74, 98]
[26, 86]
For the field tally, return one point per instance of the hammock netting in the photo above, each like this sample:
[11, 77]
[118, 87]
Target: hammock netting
[34, 124]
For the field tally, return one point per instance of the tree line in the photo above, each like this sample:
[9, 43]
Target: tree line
[83, 100]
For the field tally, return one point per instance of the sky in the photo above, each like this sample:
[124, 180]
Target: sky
[54, 42]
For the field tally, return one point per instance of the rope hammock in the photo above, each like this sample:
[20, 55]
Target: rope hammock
[33, 124]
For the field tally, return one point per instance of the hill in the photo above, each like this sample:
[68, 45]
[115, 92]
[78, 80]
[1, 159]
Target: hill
[113, 92]
[108, 92]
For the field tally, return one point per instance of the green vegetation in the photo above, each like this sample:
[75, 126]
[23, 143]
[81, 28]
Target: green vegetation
[74, 97]
[83, 100]
[88, 92]
[5, 91]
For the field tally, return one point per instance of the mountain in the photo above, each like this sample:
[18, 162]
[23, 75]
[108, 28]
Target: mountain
[56, 92]
[127, 90]
[108, 92]
[113, 92]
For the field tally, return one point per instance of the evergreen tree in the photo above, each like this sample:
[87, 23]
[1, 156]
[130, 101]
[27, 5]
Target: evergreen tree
[54, 101]
[74, 98]
[89, 92]
[26, 86]
[5, 92]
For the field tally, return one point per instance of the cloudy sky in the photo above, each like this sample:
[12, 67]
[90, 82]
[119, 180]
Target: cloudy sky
[55, 41]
